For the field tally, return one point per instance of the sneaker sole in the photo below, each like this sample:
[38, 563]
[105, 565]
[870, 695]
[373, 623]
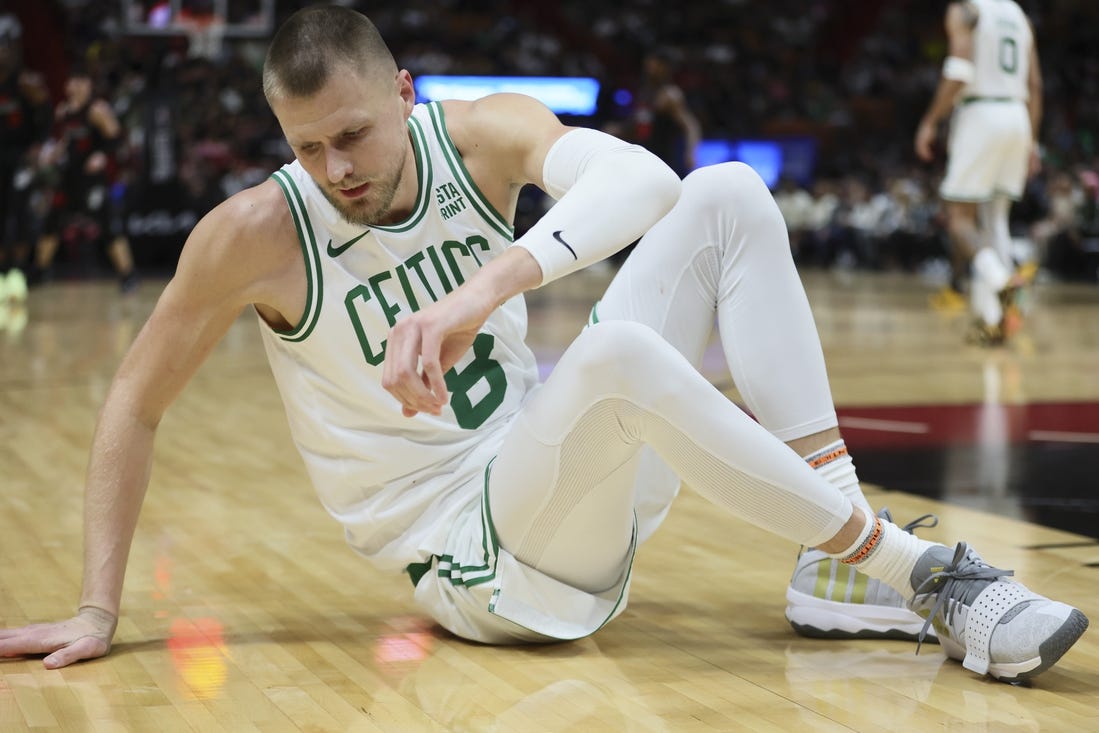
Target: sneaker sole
[818, 618]
[1049, 651]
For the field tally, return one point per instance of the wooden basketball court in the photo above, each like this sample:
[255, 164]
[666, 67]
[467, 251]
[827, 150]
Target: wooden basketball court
[245, 611]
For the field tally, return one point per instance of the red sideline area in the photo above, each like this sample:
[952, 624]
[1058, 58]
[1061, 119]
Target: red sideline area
[940, 425]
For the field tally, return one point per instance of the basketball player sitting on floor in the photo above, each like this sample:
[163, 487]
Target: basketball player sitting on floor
[382, 267]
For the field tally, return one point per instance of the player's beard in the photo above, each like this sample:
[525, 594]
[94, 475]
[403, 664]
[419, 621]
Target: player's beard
[373, 208]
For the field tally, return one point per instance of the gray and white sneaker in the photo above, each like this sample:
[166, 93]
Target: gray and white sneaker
[993, 625]
[829, 600]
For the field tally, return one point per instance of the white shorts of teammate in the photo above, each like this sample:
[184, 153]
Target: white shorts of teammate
[988, 151]
[590, 466]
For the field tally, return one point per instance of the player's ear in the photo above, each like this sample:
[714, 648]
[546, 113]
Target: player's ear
[406, 89]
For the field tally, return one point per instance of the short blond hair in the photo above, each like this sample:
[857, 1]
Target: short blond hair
[314, 42]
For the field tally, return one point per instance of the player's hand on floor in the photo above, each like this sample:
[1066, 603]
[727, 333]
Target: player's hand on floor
[85, 636]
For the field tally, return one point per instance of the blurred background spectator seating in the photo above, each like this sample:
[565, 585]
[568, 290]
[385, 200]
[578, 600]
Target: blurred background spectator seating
[849, 77]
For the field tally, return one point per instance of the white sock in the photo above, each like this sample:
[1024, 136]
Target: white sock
[886, 552]
[985, 302]
[995, 217]
[834, 464]
[988, 266]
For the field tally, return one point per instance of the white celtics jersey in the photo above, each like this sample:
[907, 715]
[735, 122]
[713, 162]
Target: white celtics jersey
[396, 483]
[1002, 43]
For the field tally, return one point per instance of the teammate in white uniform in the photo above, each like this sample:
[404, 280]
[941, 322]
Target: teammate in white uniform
[992, 83]
[382, 268]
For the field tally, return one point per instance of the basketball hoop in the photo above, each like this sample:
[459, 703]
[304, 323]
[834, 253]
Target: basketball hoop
[205, 23]
[205, 35]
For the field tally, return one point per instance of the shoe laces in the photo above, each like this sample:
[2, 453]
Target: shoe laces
[924, 522]
[927, 521]
[959, 582]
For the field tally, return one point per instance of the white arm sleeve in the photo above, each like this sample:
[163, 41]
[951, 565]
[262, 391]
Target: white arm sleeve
[609, 193]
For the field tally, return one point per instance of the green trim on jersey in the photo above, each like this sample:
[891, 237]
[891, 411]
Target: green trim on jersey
[311, 255]
[626, 582]
[486, 571]
[971, 100]
[465, 181]
[490, 545]
[423, 176]
[417, 570]
[459, 574]
[980, 199]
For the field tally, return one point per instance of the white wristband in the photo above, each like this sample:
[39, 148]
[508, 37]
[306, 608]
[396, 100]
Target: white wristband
[959, 69]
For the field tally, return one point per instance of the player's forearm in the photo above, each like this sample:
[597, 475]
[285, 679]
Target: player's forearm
[118, 475]
[943, 101]
[515, 271]
[1034, 109]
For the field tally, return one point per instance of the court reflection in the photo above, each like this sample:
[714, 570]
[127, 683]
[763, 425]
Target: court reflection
[843, 679]
[558, 688]
[198, 655]
[197, 646]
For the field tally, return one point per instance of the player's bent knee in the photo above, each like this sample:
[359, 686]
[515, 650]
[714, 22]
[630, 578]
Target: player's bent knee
[615, 356]
[608, 361]
[733, 191]
[724, 182]
[610, 342]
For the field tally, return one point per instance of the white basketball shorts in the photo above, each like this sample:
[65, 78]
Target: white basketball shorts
[989, 150]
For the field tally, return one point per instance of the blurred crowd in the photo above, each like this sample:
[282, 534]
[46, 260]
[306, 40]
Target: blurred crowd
[854, 76]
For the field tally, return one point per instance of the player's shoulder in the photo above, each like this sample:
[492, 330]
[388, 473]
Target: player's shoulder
[240, 245]
[494, 116]
[254, 218]
[963, 12]
[501, 133]
[255, 206]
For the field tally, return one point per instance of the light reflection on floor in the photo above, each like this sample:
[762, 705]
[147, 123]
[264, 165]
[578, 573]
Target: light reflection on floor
[197, 646]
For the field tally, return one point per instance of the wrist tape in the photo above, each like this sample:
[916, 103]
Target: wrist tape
[959, 69]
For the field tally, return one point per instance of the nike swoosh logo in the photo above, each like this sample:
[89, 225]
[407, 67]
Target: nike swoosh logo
[336, 251]
[557, 236]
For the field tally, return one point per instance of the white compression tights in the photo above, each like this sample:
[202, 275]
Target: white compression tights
[993, 263]
[994, 217]
[724, 249]
[573, 470]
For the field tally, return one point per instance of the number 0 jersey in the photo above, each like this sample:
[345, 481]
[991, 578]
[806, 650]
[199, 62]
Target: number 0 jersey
[396, 483]
[1002, 43]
